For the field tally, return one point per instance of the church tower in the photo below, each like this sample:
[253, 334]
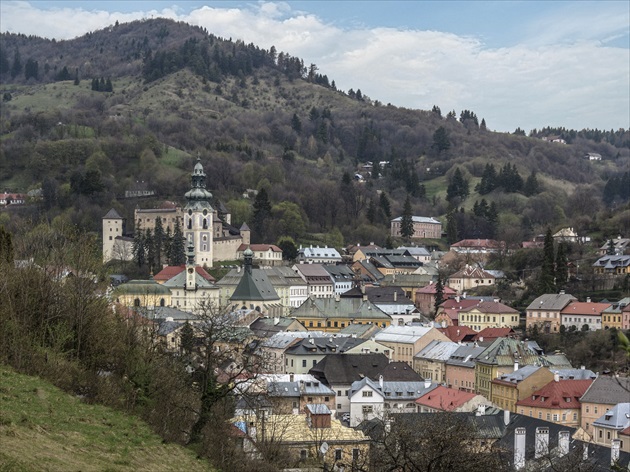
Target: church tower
[191, 282]
[198, 217]
[112, 229]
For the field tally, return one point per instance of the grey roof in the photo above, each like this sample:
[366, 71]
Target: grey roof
[339, 272]
[575, 374]
[373, 272]
[167, 327]
[616, 307]
[438, 350]
[519, 375]
[267, 327]
[607, 390]
[399, 371]
[466, 355]
[283, 389]
[612, 262]
[254, 286]
[319, 252]
[354, 308]
[617, 417]
[360, 330]
[165, 312]
[179, 281]
[394, 390]
[415, 250]
[319, 346]
[402, 334]
[112, 215]
[343, 369]
[551, 302]
[420, 219]
[318, 409]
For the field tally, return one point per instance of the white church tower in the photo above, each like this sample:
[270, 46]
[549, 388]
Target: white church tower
[198, 217]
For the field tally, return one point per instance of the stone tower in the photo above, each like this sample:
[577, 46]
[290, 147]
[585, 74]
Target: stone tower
[112, 228]
[198, 217]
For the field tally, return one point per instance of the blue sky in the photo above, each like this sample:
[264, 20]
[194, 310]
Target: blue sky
[521, 64]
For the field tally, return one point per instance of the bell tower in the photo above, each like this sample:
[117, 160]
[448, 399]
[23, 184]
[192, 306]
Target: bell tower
[198, 217]
[191, 283]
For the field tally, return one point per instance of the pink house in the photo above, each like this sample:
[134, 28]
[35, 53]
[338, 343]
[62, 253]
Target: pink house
[425, 298]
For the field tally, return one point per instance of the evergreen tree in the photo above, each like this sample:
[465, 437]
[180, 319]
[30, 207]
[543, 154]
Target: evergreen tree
[31, 69]
[158, 241]
[451, 226]
[139, 248]
[177, 253]
[150, 248]
[262, 211]
[547, 282]
[457, 187]
[492, 217]
[108, 86]
[562, 268]
[441, 142]
[488, 180]
[532, 187]
[610, 250]
[483, 124]
[385, 205]
[5, 66]
[187, 339]
[16, 68]
[296, 124]
[76, 77]
[376, 169]
[439, 295]
[406, 221]
[437, 111]
[371, 212]
[6, 247]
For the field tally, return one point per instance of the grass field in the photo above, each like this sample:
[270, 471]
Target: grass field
[45, 429]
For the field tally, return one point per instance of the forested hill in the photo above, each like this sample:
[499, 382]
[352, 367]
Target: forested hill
[87, 119]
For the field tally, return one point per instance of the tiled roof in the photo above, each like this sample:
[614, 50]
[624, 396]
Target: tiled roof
[479, 243]
[445, 399]
[563, 394]
[112, 215]
[465, 356]
[438, 350]
[491, 308]
[354, 308]
[493, 333]
[259, 247]
[458, 333]
[471, 272]
[346, 368]
[584, 308]
[319, 346]
[518, 375]
[607, 390]
[402, 334]
[430, 289]
[171, 271]
[400, 372]
[551, 302]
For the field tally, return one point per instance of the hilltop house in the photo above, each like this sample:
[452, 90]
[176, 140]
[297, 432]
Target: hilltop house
[423, 227]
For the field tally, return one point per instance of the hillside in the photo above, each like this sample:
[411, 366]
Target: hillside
[43, 428]
[263, 119]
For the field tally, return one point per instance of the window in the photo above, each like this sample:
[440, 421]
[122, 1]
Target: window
[595, 409]
[303, 362]
[607, 434]
[337, 454]
[367, 409]
[303, 454]
[600, 434]
[540, 415]
[339, 406]
[309, 399]
[355, 454]
[548, 416]
[367, 393]
[326, 399]
[338, 393]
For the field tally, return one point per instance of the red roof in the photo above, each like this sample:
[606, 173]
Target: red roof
[452, 307]
[444, 398]
[554, 395]
[457, 333]
[492, 308]
[479, 243]
[430, 289]
[493, 333]
[584, 308]
[171, 271]
[625, 432]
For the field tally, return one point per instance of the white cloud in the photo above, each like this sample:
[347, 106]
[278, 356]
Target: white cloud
[561, 76]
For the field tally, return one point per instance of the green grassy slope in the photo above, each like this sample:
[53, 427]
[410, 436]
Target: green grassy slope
[45, 429]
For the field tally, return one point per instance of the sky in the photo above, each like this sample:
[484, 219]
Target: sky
[526, 64]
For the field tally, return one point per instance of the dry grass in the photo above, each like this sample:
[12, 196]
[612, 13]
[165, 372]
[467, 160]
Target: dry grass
[42, 428]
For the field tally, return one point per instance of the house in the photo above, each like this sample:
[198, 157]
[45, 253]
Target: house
[478, 246]
[342, 276]
[444, 398]
[507, 389]
[430, 362]
[425, 297]
[616, 246]
[625, 317]
[417, 252]
[407, 341]
[608, 427]
[302, 437]
[458, 334]
[470, 277]
[354, 248]
[317, 255]
[7, 199]
[488, 315]
[334, 314]
[304, 354]
[169, 272]
[394, 264]
[448, 312]
[392, 300]
[502, 356]
[294, 396]
[410, 282]
[488, 335]
[545, 311]
[612, 317]
[460, 367]
[602, 395]
[580, 314]
[264, 327]
[145, 294]
[612, 265]
[320, 283]
[566, 235]
[554, 139]
[340, 371]
[374, 399]
[558, 401]
[593, 156]
[366, 272]
[264, 254]
[423, 227]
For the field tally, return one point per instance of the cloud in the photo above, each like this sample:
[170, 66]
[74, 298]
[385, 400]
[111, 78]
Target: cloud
[561, 74]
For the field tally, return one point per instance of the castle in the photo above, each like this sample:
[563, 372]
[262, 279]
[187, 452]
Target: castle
[209, 229]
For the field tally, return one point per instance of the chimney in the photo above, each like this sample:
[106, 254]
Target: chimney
[480, 339]
[588, 299]
[427, 383]
[481, 410]
[541, 448]
[395, 295]
[519, 448]
[506, 417]
[563, 442]
[585, 452]
[276, 320]
[614, 451]
[556, 377]
[380, 381]
[561, 292]
[337, 297]
[457, 299]
[515, 366]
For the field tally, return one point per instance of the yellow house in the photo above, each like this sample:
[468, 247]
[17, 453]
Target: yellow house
[333, 314]
[142, 293]
[510, 388]
[488, 315]
[612, 317]
[603, 394]
[407, 341]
